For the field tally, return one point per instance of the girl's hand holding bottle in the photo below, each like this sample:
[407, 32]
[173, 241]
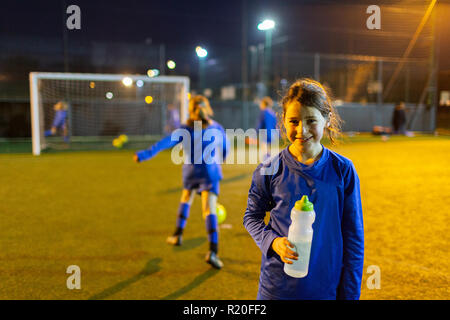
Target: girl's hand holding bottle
[281, 246]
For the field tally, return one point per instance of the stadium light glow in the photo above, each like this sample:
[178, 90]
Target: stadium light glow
[266, 25]
[127, 81]
[171, 64]
[109, 95]
[201, 52]
[148, 99]
[153, 73]
[140, 83]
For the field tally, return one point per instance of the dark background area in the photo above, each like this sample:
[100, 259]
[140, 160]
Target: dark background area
[134, 36]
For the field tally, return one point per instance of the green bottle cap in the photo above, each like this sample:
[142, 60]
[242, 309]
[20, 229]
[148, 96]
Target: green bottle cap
[304, 204]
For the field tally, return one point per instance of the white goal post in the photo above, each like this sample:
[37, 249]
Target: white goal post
[102, 106]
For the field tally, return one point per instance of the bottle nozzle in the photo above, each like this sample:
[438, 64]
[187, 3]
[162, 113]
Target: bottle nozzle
[304, 204]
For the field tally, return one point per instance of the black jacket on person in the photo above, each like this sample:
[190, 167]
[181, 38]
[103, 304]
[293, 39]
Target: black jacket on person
[398, 119]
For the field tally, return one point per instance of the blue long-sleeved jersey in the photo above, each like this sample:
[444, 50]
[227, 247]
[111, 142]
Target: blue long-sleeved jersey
[337, 250]
[267, 120]
[202, 161]
[60, 118]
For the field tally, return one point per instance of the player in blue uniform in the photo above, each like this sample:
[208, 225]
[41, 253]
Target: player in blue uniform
[59, 121]
[330, 181]
[173, 119]
[268, 121]
[205, 147]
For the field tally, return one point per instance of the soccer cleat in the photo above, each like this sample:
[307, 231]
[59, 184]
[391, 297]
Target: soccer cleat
[213, 260]
[174, 240]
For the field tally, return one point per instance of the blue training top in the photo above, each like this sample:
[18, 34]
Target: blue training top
[267, 120]
[60, 118]
[337, 250]
[202, 162]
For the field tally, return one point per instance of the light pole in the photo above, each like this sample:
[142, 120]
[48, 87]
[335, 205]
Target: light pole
[201, 53]
[267, 26]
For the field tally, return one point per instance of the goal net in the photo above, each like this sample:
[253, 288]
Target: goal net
[88, 111]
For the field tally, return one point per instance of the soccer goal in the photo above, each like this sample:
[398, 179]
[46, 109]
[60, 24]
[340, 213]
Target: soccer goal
[87, 111]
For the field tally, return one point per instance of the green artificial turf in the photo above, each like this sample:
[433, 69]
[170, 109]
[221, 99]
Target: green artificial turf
[110, 216]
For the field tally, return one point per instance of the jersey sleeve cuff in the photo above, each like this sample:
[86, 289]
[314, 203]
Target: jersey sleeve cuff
[266, 247]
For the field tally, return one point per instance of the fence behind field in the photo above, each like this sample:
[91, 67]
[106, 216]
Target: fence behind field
[355, 116]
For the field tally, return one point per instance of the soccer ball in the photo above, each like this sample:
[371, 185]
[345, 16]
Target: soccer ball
[118, 143]
[123, 138]
[221, 213]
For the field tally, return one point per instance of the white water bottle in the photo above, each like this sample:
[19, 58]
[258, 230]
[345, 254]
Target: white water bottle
[300, 235]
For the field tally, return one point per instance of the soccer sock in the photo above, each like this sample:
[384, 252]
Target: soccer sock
[211, 229]
[183, 214]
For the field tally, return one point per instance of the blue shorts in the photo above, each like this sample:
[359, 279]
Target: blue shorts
[60, 124]
[202, 186]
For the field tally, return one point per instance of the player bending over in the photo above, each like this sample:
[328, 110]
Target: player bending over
[59, 121]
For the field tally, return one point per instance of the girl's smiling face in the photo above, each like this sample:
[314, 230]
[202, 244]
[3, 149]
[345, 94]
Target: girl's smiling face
[304, 128]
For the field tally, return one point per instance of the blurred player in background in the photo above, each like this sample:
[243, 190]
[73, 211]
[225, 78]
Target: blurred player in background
[201, 174]
[267, 120]
[59, 121]
[399, 118]
[173, 119]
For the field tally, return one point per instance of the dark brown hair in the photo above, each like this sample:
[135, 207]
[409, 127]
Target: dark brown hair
[206, 113]
[267, 102]
[311, 93]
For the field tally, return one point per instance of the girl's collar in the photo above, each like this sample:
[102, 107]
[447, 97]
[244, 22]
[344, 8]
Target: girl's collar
[295, 165]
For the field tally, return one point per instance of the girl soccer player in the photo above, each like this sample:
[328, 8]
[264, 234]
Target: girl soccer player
[201, 171]
[59, 121]
[268, 121]
[330, 181]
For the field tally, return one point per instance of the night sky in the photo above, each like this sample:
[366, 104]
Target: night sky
[217, 25]
[186, 23]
